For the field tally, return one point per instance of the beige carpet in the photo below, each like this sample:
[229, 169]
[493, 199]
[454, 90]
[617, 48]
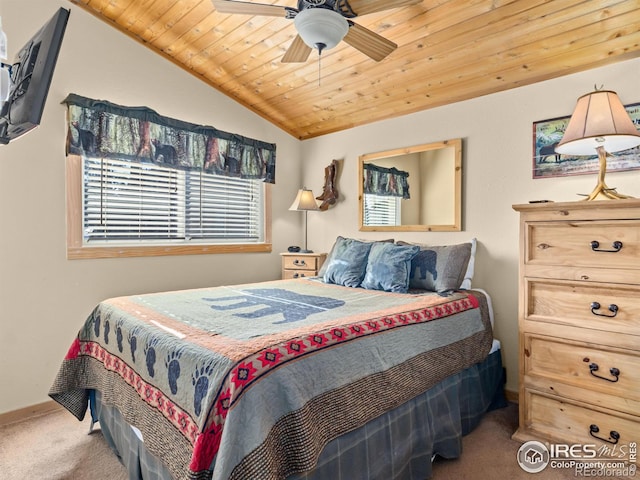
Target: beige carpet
[57, 447]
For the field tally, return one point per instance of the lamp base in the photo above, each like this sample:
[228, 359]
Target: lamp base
[601, 189]
[304, 250]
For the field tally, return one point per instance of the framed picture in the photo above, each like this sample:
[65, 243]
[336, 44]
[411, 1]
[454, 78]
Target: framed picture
[547, 163]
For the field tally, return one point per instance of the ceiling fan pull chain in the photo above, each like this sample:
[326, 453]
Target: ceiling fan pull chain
[320, 47]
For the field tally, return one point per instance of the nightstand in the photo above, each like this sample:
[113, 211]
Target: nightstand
[298, 265]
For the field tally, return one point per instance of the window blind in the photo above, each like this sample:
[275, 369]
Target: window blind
[381, 210]
[223, 208]
[128, 202]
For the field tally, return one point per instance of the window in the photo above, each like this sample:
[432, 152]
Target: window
[381, 210]
[139, 209]
[141, 184]
[136, 202]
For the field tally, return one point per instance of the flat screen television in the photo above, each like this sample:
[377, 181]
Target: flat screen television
[31, 76]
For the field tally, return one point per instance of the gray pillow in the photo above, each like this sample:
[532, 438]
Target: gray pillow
[468, 276]
[347, 263]
[388, 267]
[439, 268]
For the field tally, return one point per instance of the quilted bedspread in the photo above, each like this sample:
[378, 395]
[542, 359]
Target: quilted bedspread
[251, 381]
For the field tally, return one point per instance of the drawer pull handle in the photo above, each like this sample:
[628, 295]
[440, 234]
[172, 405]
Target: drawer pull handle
[613, 308]
[617, 246]
[615, 372]
[613, 435]
[299, 262]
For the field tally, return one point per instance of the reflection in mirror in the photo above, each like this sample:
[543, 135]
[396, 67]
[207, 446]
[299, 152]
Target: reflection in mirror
[412, 189]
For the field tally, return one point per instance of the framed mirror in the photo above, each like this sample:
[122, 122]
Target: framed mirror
[412, 189]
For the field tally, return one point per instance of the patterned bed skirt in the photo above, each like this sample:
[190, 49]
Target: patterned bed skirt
[434, 421]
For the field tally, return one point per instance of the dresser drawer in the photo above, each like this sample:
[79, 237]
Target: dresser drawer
[572, 422]
[300, 263]
[572, 303]
[610, 372]
[287, 274]
[604, 244]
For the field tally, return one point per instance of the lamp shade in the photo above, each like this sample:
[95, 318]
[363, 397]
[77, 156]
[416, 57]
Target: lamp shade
[304, 201]
[321, 28]
[599, 120]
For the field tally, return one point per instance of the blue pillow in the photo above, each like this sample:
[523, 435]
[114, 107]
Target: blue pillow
[323, 269]
[388, 267]
[347, 262]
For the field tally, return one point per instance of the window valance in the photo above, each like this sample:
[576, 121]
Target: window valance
[389, 182]
[99, 128]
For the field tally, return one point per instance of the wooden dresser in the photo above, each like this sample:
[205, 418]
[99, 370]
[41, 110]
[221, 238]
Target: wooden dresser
[297, 265]
[579, 321]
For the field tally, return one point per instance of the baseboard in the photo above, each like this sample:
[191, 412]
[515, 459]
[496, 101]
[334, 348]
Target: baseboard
[511, 396]
[29, 412]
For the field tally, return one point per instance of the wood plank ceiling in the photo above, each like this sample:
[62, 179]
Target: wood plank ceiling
[448, 51]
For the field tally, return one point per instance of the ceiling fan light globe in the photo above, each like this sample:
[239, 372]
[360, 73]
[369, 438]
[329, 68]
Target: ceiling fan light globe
[320, 26]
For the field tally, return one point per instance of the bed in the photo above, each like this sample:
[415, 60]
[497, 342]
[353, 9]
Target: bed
[289, 379]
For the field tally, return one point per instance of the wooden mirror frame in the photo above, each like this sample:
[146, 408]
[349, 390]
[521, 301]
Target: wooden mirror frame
[456, 226]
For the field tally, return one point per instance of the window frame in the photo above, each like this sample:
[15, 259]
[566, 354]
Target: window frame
[76, 250]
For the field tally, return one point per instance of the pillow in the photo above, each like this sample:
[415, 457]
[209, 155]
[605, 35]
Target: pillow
[324, 266]
[388, 267]
[468, 276]
[348, 262]
[439, 268]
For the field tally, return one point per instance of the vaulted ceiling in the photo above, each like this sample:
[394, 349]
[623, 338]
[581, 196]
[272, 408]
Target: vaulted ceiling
[448, 51]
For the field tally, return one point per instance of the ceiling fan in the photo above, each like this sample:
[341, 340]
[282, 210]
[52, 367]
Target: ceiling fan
[322, 24]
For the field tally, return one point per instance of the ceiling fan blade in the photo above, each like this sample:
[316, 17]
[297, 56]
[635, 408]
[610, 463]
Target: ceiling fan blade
[249, 8]
[297, 52]
[368, 42]
[362, 7]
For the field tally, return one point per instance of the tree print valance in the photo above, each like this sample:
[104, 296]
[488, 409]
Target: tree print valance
[102, 129]
[388, 182]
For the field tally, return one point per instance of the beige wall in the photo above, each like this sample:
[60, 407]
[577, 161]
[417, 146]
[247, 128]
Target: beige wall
[497, 151]
[44, 298]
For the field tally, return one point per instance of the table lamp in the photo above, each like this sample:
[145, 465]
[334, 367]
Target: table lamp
[304, 202]
[599, 124]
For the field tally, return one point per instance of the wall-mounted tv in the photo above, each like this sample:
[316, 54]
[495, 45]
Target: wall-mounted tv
[31, 76]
